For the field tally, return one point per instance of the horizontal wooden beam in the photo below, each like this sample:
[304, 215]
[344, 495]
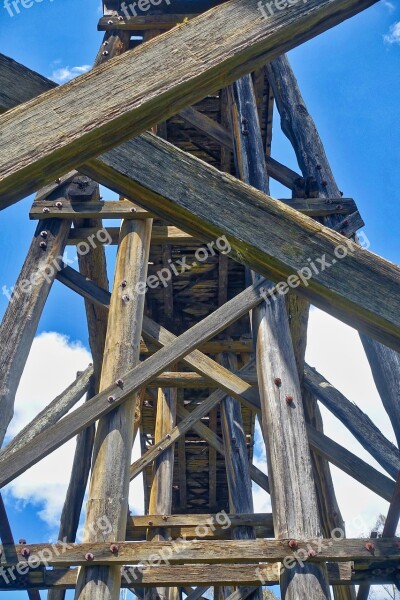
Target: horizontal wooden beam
[213, 522]
[103, 403]
[60, 138]
[186, 379]
[123, 209]
[173, 575]
[211, 551]
[143, 22]
[258, 229]
[160, 235]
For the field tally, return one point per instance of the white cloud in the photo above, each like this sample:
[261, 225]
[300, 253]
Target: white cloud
[64, 74]
[337, 353]
[393, 37]
[389, 5]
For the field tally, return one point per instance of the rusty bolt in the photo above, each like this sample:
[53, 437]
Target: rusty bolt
[22, 541]
[57, 181]
[114, 548]
[168, 436]
[44, 234]
[89, 556]
[293, 544]
[46, 210]
[289, 399]
[111, 399]
[25, 552]
[43, 245]
[59, 204]
[151, 523]
[133, 209]
[119, 383]
[165, 518]
[369, 546]
[278, 381]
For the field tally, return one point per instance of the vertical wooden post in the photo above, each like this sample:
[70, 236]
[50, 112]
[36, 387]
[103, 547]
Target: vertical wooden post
[237, 463]
[109, 486]
[294, 501]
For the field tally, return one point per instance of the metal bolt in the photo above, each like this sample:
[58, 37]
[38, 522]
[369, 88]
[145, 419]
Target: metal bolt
[168, 436]
[59, 204]
[105, 53]
[57, 181]
[278, 381]
[43, 245]
[22, 541]
[111, 399]
[105, 43]
[293, 544]
[43, 234]
[124, 283]
[324, 182]
[125, 298]
[89, 556]
[133, 209]
[119, 383]
[120, 18]
[369, 546]
[25, 552]
[312, 553]
[289, 399]
[110, 22]
[114, 548]
[150, 523]
[165, 518]
[46, 210]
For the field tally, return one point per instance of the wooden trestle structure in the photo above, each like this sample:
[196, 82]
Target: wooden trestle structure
[189, 365]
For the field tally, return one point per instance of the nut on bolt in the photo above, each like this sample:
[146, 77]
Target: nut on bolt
[165, 517]
[89, 556]
[43, 245]
[111, 399]
[278, 381]
[293, 545]
[46, 210]
[289, 399]
[369, 546]
[59, 204]
[114, 548]
[44, 234]
[120, 383]
[25, 552]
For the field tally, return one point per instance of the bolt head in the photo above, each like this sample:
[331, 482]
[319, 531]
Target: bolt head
[43, 234]
[57, 181]
[59, 204]
[133, 209]
[89, 556]
[124, 283]
[46, 210]
[105, 53]
[293, 544]
[151, 523]
[289, 399]
[165, 518]
[110, 22]
[114, 548]
[25, 552]
[22, 541]
[278, 381]
[43, 245]
[125, 298]
[369, 546]
[111, 399]
[119, 383]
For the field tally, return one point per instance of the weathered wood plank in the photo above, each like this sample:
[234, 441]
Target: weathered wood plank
[340, 573]
[109, 484]
[134, 380]
[19, 84]
[143, 22]
[160, 235]
[213, 552]
[312, 207]
[360, 425]
[238, 46]
[258, 228]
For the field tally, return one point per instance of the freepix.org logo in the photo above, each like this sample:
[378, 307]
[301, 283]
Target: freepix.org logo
[13, 7]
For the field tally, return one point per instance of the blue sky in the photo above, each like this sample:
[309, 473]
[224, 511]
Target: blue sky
[349, 78]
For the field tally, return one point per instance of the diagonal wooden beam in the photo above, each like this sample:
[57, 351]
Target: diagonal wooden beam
[360, 425]
[210, 51]
[133, 381]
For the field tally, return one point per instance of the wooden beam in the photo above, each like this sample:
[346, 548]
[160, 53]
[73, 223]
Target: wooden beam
[212, 552]
[340, 573]
[24, 310]
[312, 207]
[134, 380]
[109, 484]
[360, 425]
[19, 84]
[239, 46]
[293, 494]
[160, 235]
[257, 228]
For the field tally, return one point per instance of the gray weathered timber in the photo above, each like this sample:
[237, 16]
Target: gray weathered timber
[258, 228]
[109, 483]
[238, 46]
[294, 502]
[134, 380]
[360, 425]
[23, 313]
[51, 414]
[351, 464]
[339, 573]
[19, 84]
[213, 551]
